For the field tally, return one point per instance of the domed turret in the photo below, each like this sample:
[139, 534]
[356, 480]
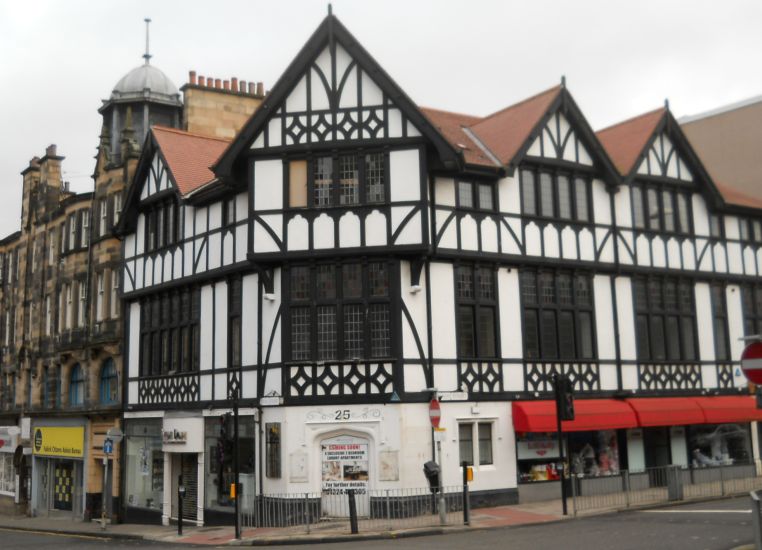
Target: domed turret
[151, 97]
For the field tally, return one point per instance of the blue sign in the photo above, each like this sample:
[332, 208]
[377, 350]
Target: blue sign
[108, 446]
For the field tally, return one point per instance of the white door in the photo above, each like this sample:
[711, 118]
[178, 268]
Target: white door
[345, 465]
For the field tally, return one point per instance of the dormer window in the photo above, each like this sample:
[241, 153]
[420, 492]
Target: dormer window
[659, 208]
[161, 225]
[555, 195]
[749, 230]
[341, 180]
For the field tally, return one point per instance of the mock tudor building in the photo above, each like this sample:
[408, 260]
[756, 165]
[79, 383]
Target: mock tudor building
[348, 254]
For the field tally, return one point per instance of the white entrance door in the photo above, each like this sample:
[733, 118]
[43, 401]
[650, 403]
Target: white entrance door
[345, 465]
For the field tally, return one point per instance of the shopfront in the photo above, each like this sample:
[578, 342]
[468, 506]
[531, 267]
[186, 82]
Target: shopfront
[8, 470]
[143, 470]
[58, 470]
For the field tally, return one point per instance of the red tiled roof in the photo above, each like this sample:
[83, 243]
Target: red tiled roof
[502, 133]
[625, 141]
[505, 131]
[189, 156]
[736, 197]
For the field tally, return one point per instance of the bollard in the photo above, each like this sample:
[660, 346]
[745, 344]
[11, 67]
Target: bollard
[180, 494]
[573, 478]
[626, 483]
[466, 500]
[388, 510]
[722, 481]
[755, 520]
[307, 508]
[352, 511]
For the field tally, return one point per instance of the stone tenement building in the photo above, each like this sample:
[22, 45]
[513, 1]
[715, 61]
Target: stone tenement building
[60, 317]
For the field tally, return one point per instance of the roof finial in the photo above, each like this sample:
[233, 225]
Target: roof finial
[330, 9]
[147, 56]
[666, 103]
[563, 81]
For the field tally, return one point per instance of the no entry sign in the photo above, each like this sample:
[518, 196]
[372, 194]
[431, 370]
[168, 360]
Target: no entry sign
[751, 362]
[435, 413]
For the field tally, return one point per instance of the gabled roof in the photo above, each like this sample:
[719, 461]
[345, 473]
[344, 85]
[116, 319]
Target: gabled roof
[453, 126]
[626, 140]
[330, 30]
[505, 131]
[188, 156]
[738, 198]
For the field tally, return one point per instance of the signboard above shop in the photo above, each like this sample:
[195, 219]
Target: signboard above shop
[61, 441]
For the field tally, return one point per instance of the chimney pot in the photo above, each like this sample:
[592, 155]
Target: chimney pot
[242, 86]
[234, 84]
[252, 88]
[51, 150]
[192, 77]
[201, 81]
[226, 84]
[217, 83]
[260, 88]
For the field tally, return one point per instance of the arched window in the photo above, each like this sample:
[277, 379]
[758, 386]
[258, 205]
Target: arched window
[109, 383]
[77, 387]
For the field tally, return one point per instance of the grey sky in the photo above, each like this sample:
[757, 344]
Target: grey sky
[59, 59]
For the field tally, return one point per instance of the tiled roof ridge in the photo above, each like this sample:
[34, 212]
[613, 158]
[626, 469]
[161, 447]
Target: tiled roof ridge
[180, 132]
[454, 113]
[523, 101]
[631, 119]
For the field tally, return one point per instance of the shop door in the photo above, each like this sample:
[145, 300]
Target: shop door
[656, 441]
[63, 485]
[185, 465]
[345, 465]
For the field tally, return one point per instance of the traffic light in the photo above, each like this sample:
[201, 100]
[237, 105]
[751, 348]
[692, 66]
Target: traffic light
[564, 396]
[431, 471]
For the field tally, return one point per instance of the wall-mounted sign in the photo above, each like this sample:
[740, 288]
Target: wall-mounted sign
[355, 414]
[345, 465]
[65, 441]
[536, 446]
[174, 436]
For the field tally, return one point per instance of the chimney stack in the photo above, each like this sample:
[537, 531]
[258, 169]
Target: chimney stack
[234, 84]
[192, 78]
[201, 81]
[260, 88]
[51, 150]
[217, 83]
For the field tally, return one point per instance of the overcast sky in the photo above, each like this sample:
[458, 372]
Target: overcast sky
[58, 60]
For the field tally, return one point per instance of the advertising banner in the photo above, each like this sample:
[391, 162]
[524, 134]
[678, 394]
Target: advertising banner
[345, 465]
[61, 441]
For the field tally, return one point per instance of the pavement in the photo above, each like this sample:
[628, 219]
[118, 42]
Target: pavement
[328, 531]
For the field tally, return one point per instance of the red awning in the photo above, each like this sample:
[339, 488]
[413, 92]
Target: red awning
[667, 411]
[590, 414]
[731, 408]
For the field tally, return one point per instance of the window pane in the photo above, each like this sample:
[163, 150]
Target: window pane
[374, 177]
[586, 335]
[658, 353]
[353, 331]
[757, 227]
[673, 338]
[323, 177]
[654, 294]
[351, 278]
[326, 333]
[465, 282]
[300, 333]
[653, 210]
[546, 195]
[564, 197]
[466, 443]
[485, 443]
[531, 335]
[689, 342]
[486, 333]
[528, 202]
[638, 209]
[564, 289]
[466, 338]
[378, 276]
[640, 295]
[486, 287]
[326, 282]
[528, 287]
[686, 298]
[744, 229]
[670, 296]
[566, 335]
[465, 194]
[549, 336]
[380, 331]
[721, 339]
[682, 213]
[349, 184]
[300, 283]
[669, 211]
[580, 189]
[485, 196]
[582, 291]
[714, 226]
[547, 289]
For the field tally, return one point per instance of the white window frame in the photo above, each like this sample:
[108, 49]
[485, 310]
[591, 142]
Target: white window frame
[48, 315]
[85, 227]
[475, 451]
[52, 246]
[99, 298]
[114, 305]
[81, 309]
[69, 307]
[104, 217]
[117, 207]
[72, 231]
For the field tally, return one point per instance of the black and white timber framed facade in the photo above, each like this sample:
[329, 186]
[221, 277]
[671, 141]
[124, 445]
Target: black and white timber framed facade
[353, 254]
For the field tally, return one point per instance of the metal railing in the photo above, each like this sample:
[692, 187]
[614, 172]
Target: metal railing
[664, 484]
[377, 510]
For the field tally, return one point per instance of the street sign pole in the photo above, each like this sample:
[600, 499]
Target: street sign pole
[107, 449]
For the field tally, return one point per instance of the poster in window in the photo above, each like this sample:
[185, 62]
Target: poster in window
[344, 465]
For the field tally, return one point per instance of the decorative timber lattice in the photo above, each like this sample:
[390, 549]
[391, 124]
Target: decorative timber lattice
[669, 377]
[585, 377]
[179, 388]
[340, 379]
[725, 376]
[479, 377]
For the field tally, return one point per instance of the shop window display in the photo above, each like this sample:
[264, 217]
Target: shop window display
[594, 454]
[719, 444]
[219, 464]
[538, 457]
[7, 474]
[144, 474]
